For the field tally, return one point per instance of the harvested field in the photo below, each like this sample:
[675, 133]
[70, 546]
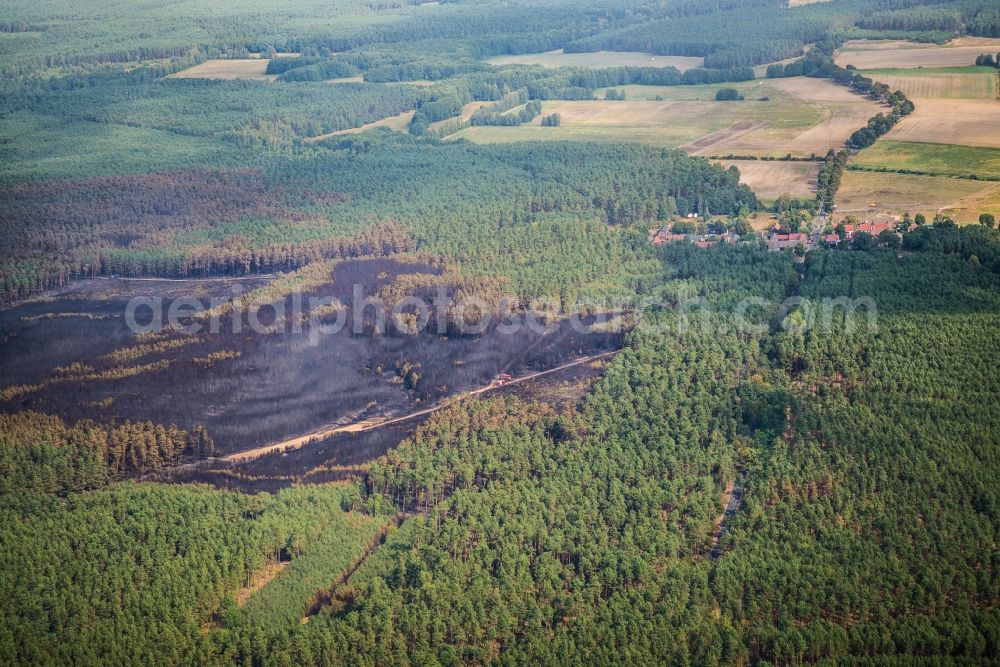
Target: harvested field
[800, 116]
[899, 193]
[249, 69]
[722, 136]
[966, 210]
[973, 83]
[771, 179]
[930, 159]
[961, 122]
[398, 123]
[878, 54]
[599, 59]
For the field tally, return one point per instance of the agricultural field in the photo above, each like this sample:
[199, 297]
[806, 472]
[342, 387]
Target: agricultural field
[863, 193]
[248, 69]
[799, 116]
[466, 114]
[931, 159]
[771, 178]
[398, 123]
[967, 83]
[882, 54]
[958, 122]
[599, 59]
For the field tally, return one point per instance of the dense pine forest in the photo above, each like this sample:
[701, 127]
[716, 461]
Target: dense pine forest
[869, 524]
[758, 458]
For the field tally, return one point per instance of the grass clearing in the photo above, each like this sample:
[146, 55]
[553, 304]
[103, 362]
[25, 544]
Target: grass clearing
[246, 69]
[771, 179]
[898, 193]
[962, 122]
[930, 158]
[799, 116]
[971, 83]
[599, 59]
[878, 54]
[467, 112]
[287, 597]
[397, 123]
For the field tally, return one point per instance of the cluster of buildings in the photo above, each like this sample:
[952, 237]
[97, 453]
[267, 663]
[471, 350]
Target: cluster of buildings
[777, 240]
[665, 235]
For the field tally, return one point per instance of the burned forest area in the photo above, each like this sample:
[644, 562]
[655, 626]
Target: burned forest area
[251, 388]
[500, 333]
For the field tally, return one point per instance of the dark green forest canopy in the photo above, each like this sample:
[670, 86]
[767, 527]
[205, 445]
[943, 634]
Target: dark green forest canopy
[502, 531]
[868, 527]
[459, 201]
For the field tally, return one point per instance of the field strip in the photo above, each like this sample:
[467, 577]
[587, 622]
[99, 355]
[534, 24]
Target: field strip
[371, 424]
[735, 130]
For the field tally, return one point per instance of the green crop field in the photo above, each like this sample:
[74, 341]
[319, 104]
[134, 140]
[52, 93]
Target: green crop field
[931, 159]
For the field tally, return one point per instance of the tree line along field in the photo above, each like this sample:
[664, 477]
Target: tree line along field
[798, 116]
[599, 59]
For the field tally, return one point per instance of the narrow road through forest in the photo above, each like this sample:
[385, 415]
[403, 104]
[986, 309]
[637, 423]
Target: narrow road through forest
[734, 495]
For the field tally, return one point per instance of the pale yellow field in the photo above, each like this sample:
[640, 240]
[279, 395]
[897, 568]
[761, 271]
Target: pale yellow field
[250, 69]
[799, 3]
[898, 193]
[840, 112]
[599, 59]
[801, 116]
[967, 209]
[878, 54]
[398, 123]
[971, 83]
[961, 122]
[771, 179]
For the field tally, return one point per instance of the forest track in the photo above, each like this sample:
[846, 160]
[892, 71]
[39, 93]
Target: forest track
[325, 597]
[371, 424]
[733, 498]
[210, 279]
